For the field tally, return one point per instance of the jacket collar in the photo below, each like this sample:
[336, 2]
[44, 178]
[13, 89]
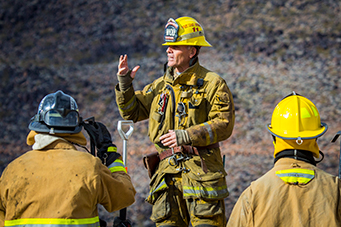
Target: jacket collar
[44, 140]
[291, 162]
[188, 77]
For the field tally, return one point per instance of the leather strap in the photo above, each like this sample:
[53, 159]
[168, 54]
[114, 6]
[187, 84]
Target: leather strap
[186, 149]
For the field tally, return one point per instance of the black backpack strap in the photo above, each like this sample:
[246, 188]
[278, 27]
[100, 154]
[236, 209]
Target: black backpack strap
[89, 128]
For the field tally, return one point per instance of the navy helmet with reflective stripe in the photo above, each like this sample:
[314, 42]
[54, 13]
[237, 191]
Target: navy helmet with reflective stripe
[57, 113]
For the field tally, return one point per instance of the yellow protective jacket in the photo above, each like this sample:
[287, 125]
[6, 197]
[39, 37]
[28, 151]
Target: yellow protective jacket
[60, 186]
[292, 193]
[209, 118]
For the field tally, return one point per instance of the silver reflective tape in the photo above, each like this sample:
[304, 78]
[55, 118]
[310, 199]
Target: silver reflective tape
[210, 132]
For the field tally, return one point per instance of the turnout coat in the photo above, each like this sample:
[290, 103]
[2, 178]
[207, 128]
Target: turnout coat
[200, 102]
[292, 193]
[60, 186]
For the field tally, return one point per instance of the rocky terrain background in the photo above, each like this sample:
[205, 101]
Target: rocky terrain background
[263, 49]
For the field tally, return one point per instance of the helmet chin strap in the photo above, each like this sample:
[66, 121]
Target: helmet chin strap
[193, 61]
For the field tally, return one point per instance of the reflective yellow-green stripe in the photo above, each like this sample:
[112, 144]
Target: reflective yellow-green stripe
[117, 166]
[129, 105]
[296, 176]
[112, 149]
[53, 221]
[160, 187]
[206, 192]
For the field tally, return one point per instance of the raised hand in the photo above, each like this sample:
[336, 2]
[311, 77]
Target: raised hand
[123, 67]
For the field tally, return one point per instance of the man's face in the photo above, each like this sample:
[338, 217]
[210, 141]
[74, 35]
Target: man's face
[180, 56]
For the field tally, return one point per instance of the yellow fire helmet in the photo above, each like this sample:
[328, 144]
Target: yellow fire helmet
[184, 31]
[296, 118]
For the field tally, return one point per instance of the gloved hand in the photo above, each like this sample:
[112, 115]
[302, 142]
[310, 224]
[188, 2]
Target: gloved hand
[182, 137]
[106, 150]
[108, 154]
[102, 135]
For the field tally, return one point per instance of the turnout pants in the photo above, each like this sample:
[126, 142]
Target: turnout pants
[171, 209]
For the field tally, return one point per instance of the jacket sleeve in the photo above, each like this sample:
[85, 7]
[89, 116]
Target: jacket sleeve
[115, 189]
[134, 105]
[221, 114]
[242, 214]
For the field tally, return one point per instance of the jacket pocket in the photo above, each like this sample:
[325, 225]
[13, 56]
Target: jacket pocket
[158, 197]
[158, 186]
[207, 208]
[161, 208]
[197, 109]
[210, 186]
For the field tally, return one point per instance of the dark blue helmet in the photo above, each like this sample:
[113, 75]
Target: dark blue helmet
[57, 113]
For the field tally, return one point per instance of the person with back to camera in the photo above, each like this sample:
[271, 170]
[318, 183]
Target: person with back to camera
[190, 110]
[294, 192]
[55, 184]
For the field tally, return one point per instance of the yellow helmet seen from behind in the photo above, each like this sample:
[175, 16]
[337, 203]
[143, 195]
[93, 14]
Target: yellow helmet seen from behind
[296, 117]
[184, 31]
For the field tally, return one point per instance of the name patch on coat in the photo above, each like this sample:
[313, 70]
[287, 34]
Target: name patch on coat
[296, 176]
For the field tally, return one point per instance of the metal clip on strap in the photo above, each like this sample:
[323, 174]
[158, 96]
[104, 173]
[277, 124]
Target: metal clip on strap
[186, 149]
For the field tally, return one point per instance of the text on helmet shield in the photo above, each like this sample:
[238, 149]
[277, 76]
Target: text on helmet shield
[171, 31]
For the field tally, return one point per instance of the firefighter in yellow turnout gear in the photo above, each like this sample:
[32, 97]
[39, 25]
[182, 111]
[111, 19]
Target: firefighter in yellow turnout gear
[294, 192]
[190, 110]
[55, 184]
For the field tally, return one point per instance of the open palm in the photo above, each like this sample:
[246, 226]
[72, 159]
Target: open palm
[123, 67]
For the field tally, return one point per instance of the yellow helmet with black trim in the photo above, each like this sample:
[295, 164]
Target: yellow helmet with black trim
[296, 117]
[184, 31]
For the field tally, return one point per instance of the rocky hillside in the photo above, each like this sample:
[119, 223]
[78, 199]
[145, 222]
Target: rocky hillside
[263, 49]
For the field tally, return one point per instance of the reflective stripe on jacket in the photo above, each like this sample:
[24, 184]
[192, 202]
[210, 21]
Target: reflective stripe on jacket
[117, 166]
[53, 222]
